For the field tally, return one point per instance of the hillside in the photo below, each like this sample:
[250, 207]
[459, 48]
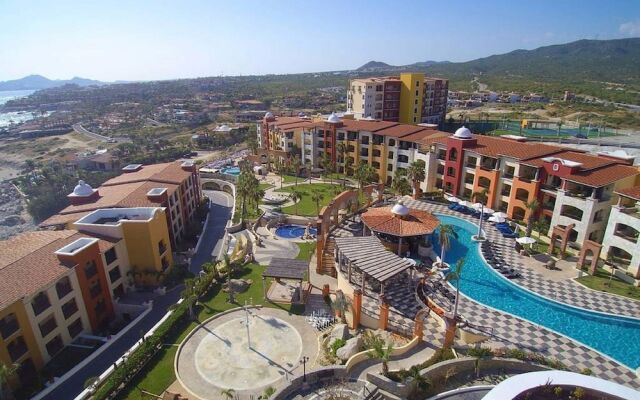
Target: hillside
[595, 67]
[37, 82]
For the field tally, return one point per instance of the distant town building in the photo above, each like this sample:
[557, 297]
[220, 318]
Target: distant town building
[410, 98]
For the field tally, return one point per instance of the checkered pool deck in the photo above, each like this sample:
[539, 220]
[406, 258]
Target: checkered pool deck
[508, 330]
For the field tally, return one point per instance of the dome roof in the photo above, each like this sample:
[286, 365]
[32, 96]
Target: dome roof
[462, 133]
[269, 114]
[400, 209]
[333, 118]
[82, 189]
[301, 114]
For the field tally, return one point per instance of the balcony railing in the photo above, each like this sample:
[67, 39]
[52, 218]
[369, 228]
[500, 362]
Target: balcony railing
[629, 236]
[470, 164]
[507, 175]
[572, 214]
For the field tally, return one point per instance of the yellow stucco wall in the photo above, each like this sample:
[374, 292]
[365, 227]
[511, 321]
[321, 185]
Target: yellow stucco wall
[408, 97]
[142, 238]
[26, 331]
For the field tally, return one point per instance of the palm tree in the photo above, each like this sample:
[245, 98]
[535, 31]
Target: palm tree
[229, 266]
[189, 294]
[327, 165]
[454, 275]
[228, 393]
[341, 305]
[416, 174]
[296, 167]
[532, 206]
[6, 372]
[252, 143]
[341, 147]
[400, 185]
[296, 196]
[480, 197]
[268, 392]
[444, 239]
[381, 351]
[364, 174]
[317, 196]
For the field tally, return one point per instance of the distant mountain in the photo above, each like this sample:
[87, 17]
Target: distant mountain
[580, 62]
[37, 82]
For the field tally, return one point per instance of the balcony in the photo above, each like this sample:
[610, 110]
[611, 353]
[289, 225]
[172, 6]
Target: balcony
[8, 326]
[571, 212]
[548, 205]
[17, 349]
[48, 326]
[626, 232]
[40, 304]
[63, 288]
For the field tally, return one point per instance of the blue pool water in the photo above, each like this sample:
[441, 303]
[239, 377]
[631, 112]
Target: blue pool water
[616, 336]
[231, 171]
[293, 231]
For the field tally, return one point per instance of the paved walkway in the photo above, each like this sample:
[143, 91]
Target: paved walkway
[213, 233]
[422, 352]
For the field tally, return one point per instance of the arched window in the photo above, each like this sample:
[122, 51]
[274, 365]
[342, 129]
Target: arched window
[453, 154]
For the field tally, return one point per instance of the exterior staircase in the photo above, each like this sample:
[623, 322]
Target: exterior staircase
[328, 261]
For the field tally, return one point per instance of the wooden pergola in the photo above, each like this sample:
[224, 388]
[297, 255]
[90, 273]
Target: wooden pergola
[285, 268]
[370, 257]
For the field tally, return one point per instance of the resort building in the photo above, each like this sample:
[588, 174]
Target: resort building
[57, 285]
[572, 188]
[620, 245]
[174, 186]
[410, 98]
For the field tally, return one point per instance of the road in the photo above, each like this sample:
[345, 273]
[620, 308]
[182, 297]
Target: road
[220, 212]
[78, 128]
[213, 235]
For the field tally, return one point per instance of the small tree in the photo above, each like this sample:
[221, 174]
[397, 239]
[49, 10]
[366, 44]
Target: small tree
[296, 196]
[296, 163]
[189, 295]
[381, 351]
[416, 174]
[532, 206]
[228, 393]
[364, 174]
[454, 276]
[6, 372]
[341, 305]
[317, 196]
[446, 233]
[400, 185]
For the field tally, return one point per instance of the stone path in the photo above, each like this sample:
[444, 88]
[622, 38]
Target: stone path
[273, 247]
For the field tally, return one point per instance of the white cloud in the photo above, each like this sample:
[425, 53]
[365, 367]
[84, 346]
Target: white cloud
[631, 28]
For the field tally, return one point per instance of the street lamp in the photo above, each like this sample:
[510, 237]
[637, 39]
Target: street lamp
[304, 368]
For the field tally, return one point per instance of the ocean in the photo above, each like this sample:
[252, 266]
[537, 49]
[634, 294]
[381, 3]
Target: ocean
[8, 118]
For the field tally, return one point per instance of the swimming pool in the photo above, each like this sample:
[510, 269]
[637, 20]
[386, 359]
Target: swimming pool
[231, 171]
[616, 336]
[293, 231]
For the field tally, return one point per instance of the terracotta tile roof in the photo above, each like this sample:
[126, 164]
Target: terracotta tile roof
[28, 263]
[109, 196]
[632, 192]
[63, 219]
[417, 222]
[400, 130]
[138, 197]
[603, 176]
[368, 126]
[495, 147]
[588, 161]
[167, 172]
[425, 136]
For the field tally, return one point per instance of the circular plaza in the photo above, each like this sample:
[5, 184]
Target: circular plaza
[244, 350]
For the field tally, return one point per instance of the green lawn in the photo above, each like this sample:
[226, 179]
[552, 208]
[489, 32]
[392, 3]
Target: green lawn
[265, 186]
[306, 206]
[159, 373]
[291, 179]
[600, 281]
[306, 250]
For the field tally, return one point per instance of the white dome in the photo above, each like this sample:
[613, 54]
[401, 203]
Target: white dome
[400, 209]
[462, 133]
[333, 118]
[301, 114]
[82, 189]
[269, 114]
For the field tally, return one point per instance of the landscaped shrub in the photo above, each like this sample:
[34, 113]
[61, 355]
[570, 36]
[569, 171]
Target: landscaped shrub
[336, 345]
[480, 352]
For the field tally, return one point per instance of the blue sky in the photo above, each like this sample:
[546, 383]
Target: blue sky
[145, 40]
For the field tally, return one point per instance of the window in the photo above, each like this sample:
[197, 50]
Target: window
[40, 303]
[161, 247]
[8, 325]
[403, 158]
[417, 92]
[115, 274]
[417, 83]
[365, 140]
[69, 308]
[111, 255]
[54, 346]
[453, 154]
[17, 348]
[451, 171]
[389, 167]
[63, 287]
[48, 325]
[75, 328]
[392, 142]
[90, 269]
[376, 153]
[364, 152]
[95, 289]
[165, 263]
